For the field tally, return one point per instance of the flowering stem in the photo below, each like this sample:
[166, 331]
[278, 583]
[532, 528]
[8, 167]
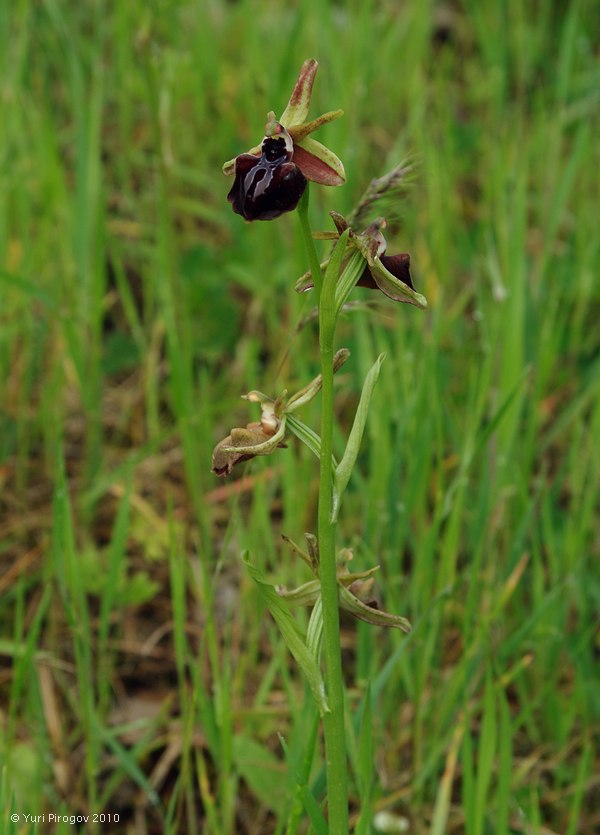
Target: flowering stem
[333, 722]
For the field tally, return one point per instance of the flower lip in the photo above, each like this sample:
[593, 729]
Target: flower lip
[397, 265]
[268, 185]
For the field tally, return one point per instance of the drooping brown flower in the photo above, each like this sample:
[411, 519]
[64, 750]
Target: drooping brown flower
[265, 436]
[388, 273]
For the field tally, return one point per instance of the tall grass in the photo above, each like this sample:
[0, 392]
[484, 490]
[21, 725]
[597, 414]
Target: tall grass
[140, 675]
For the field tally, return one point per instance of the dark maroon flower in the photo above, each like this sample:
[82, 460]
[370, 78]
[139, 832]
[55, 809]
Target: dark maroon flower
[267, 186]
[271, 177]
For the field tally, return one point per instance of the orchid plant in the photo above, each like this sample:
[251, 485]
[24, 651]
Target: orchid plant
[270, 179]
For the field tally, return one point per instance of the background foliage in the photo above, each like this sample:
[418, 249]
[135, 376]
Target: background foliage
[139, 674]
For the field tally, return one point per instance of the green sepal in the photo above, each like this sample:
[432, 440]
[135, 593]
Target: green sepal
[362, 611]
[318, 162]
[305, 595]
[292, 633]
[297, 107]
[347, 579]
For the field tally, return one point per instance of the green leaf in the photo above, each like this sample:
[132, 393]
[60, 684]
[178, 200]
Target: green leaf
[346, 465]
[305, 434]
[293, 635]
[308, 437]
[313, 810]
[311, 440]
[127, 760]
[314, 633]
[333, 269]
[299, 766]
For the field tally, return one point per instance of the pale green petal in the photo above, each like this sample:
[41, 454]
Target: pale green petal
[298, 132]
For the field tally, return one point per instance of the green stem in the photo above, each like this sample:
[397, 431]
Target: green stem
[333, 722]
[313, 258]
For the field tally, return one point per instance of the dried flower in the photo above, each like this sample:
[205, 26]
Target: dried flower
[242, 444]
[264, 436]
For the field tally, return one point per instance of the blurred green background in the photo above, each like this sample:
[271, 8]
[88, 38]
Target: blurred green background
[139, 674]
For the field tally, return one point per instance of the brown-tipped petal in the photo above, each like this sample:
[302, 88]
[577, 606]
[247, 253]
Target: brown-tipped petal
[318, 163]
[296, 549]
[298, 132]
[297, 108]
[341, 224]
[371, 242]
[304, 283]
